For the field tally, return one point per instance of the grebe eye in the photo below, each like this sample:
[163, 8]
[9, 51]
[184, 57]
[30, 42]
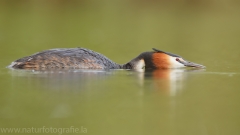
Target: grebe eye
[177, 59]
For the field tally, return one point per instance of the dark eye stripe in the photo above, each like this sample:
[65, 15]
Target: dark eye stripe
[178, 60]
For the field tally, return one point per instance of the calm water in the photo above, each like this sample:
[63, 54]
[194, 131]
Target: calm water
[99, 102]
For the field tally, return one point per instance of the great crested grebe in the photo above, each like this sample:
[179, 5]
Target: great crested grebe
[80, 58]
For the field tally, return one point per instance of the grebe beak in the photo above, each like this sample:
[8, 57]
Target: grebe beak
[189, 64]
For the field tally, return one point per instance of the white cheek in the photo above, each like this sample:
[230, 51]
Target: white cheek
[140, 64]
[175, 64]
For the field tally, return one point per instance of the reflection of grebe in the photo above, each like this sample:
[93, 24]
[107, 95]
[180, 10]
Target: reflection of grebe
[169, 81]
[80, 58]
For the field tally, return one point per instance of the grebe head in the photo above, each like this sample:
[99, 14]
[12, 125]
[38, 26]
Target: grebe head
[159, 60]
[163, 59]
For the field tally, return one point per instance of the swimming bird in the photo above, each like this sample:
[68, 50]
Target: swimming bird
[81, 58]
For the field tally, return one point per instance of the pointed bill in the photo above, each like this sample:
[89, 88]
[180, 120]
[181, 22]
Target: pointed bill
[189, 64]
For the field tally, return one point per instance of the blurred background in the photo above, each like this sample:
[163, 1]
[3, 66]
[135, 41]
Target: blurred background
[203, 31]
[207, 28]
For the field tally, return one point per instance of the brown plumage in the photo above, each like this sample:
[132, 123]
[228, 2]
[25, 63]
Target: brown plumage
[161, 60]
[75, 58]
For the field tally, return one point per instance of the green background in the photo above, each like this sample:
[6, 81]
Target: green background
[169, 102]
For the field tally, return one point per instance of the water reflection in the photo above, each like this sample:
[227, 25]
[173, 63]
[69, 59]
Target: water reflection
[167, 81]
[64, 80]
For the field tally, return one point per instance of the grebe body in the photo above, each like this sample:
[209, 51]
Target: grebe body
[81, 58]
